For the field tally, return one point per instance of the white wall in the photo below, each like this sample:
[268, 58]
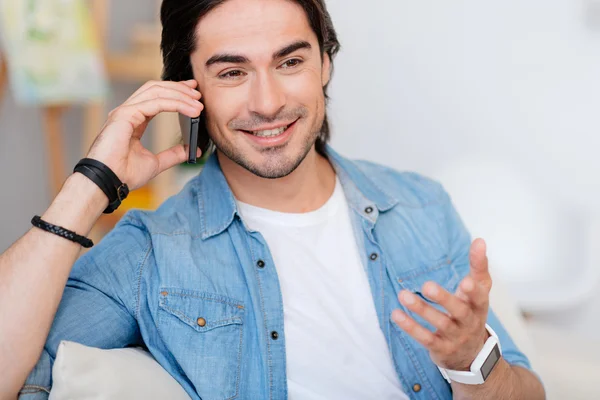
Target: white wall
[500, 101]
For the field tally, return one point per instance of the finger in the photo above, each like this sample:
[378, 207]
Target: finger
[186, 87]
[459, 310]
[173, 156]
[159, 91]
[421, 334]
[479, 262]
[476, 293]
[191, 83]
[442, 322]
[144, 111]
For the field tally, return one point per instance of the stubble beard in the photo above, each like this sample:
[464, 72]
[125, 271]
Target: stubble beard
[277, 165]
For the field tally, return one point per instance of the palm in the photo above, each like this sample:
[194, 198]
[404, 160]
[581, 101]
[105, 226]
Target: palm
[142, 164]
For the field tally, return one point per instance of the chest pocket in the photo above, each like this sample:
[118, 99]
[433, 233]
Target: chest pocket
[204, 332]
[441, 272]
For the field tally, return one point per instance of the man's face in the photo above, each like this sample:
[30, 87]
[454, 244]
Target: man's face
[260, 71]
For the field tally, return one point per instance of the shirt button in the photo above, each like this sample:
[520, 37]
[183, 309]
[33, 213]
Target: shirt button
[374, 256]
[201, 321]
[416, 388]
[369, 210]
[260, 264]
[274, 335]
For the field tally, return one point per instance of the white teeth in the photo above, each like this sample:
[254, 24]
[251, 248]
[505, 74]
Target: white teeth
[271, 132]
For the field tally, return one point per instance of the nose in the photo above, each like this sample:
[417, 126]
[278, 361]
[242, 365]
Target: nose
[266, 96]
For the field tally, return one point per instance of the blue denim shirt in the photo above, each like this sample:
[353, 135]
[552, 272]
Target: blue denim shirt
[152, 278]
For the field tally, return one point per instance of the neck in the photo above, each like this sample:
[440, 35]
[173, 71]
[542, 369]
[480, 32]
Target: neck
[306, 189]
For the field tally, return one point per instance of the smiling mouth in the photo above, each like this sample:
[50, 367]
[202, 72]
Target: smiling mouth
[269, 132]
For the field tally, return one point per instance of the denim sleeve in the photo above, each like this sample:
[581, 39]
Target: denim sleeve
[460, 245]
[98, 304]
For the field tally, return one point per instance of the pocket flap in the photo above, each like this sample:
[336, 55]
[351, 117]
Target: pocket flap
[201, 310]
[441, 272]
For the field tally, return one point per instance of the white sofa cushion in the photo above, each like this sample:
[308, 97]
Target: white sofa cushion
[82, 373]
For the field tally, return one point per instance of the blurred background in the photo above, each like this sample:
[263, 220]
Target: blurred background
[496, 100]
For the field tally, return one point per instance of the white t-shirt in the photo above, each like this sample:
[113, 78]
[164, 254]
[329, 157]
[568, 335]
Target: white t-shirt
[335, 348]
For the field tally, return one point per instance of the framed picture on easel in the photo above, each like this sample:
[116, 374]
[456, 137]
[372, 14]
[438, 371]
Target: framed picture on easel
[52, 52]
[51, 58]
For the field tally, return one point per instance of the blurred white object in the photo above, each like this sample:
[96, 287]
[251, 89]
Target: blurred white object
[549, 257]
[568, 364]
[85, 373]
[571, 363]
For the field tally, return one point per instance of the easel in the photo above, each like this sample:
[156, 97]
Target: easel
[52, 127]
[52, 114]
[3, 75]
[139, 64]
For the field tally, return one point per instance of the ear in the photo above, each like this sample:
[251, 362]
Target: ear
[326, 69]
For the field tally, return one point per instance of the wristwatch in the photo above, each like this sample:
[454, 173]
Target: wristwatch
[483, 365]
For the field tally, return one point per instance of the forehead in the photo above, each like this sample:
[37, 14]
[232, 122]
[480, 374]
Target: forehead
[252, 27]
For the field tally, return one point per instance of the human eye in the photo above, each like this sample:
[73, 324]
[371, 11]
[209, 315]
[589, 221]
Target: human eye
[233, 74]
[291, 63]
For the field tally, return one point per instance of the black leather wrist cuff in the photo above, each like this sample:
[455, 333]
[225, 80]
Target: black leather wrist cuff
[107, 181]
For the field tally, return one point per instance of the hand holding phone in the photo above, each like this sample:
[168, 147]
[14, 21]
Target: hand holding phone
[118, 145]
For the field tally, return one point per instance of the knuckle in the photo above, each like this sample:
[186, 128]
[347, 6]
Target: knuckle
[461, 312]
[146, 86]
[156, 88]
[115, 113]
[427, 340]
[445, 323]
[416, 305]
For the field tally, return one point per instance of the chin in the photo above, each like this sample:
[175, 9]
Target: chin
[277, 163]
[270, 162]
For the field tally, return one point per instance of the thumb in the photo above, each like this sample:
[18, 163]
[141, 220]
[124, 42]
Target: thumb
[479, 261]
[173, 156]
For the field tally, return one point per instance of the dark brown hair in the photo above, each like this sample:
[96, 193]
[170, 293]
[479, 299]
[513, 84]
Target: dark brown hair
[179, 19]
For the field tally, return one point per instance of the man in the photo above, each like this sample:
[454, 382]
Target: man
[283, 269]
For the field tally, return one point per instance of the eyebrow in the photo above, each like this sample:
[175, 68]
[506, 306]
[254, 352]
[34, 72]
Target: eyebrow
[225, 58]
[289, 49]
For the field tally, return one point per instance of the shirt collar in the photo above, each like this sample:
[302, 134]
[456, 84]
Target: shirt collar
[217, 205]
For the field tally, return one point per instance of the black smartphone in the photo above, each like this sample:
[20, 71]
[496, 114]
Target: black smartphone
[194, 123]
[194, 134]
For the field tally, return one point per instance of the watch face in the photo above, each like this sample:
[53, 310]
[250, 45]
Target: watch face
[490, 362]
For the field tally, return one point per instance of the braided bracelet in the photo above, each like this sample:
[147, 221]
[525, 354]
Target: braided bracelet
[62, 232]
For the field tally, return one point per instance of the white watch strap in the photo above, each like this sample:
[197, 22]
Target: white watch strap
[474, 376]
[467, 377]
